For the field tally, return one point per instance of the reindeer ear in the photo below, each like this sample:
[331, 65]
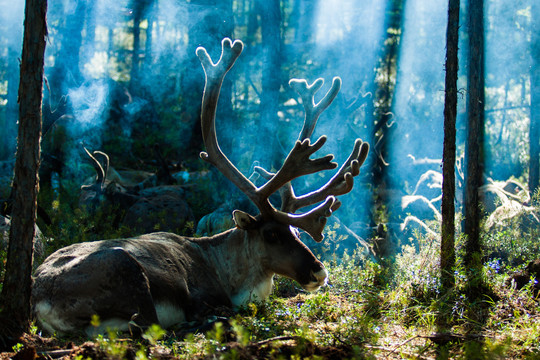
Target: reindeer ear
[243, 220]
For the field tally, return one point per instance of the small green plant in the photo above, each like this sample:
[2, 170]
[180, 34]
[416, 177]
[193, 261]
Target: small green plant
[17, 347]
[153, 334]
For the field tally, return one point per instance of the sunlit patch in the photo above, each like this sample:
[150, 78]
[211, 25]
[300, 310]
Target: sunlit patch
[98, 65]
[333, 20]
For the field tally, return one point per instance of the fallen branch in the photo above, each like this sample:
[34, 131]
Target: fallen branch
[408, 354]
[404, 343]
[55, 354]
[277, 338]
[445, 338]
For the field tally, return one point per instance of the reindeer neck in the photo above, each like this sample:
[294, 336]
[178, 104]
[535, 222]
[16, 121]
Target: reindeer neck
[237, 257]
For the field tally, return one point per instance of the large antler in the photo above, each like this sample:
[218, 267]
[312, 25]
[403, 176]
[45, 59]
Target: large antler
[342, 182]
[297, 163]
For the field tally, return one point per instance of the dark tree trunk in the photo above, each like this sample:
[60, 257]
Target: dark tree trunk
[270, 13]
[534, 130]
[474, 153]
[384, 89]
[138, 12]
[448, 257]
[15, 297]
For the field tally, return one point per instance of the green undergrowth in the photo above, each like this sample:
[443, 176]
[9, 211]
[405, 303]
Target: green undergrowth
[368, 310]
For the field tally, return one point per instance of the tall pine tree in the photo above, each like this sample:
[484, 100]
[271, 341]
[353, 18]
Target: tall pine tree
[534, 129]
[449, 148]
[474, 154]
[16, 290]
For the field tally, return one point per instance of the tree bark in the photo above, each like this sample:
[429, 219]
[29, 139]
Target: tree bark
[139, 8]
[270, 13]
[16, 290]
[534, 129]
[448, 256]
[384, 86]
[474, 154]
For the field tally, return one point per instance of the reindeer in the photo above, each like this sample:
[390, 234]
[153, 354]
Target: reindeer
[167, 279]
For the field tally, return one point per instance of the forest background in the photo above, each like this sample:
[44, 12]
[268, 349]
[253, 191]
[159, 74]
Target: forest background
[122, 77]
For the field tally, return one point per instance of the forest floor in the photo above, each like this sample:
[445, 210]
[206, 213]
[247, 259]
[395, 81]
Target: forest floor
[399, 343]
[368, 310]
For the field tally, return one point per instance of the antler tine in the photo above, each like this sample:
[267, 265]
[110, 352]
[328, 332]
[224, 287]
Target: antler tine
[312, 110]
[106, 161]
[230, 51]
[341, 183]
[298, 164]
[314, 221]
[101, 174]
[214, 75]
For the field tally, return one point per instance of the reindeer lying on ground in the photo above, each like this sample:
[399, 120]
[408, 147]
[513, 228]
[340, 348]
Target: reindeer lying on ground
[167, 279]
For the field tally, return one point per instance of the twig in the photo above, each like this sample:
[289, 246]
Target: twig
[403, 343]
[55, 354]
[276, 338]
[409, 354]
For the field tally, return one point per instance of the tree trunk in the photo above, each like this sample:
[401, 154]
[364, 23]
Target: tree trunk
[67, 64]
[534, 129]
[138, 10]
[151, 16]
[384, 86]
[448, 256]
[474, 154]
[15, 297]
[270, 13]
